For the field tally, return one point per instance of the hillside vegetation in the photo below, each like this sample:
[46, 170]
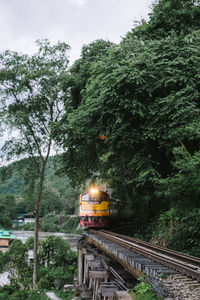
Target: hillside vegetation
[58, 195]
[142, 96]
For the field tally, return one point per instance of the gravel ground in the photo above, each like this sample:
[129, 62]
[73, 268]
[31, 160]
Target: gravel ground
[182, 287]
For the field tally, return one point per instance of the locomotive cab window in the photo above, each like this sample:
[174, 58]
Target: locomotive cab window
[98, 197]
[85, 197]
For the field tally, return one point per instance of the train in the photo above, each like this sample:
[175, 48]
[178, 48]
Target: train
[96, 208]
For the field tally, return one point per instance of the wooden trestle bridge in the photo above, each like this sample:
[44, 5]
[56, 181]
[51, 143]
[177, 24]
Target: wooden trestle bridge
[110, 263]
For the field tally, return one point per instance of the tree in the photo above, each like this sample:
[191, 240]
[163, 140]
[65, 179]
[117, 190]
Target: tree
[50, 201]
[143, 96]
[56, 261]
[80, 70]
[179, 16]
[32, 98]
[79, 78]
[17, 260]
[7, 210]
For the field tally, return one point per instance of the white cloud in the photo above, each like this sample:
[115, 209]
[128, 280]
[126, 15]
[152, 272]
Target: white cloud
[76, 22]
[77, 2]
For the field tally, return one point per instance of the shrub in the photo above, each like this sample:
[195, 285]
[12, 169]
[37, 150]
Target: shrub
[49, 223]
[3, 296]
[70, 225]
[65, 295]
[178, 229]
[9, 289]
[28, 226]
[28, 295]
[2, 262]
[57, 261]
[143, 291]
[17, 262]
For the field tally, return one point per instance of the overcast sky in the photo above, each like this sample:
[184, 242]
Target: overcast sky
[75, 22]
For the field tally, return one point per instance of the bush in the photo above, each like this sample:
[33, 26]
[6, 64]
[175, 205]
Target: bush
[54, 251]
[17, 263]
[70, 225]
[3, 296]
[142, 291]
[28, 226]
[178, 229]
[12, 292]
[9, 289]
[49, 223]
[65, 295]
[44, 283]
[56, 261]
[28, 295]
[2, 261]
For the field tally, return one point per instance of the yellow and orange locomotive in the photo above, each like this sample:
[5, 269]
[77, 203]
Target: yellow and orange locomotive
[94, 208]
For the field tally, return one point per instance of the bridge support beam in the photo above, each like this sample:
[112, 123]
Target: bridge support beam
[81, 252]
[95, 281]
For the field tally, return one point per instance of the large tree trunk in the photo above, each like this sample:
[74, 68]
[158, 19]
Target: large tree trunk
[37, 202]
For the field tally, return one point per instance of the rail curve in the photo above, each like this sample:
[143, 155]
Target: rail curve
[186, 264]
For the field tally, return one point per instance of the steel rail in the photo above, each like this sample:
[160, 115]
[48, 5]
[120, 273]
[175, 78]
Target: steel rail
[187, 258]
[161, 258]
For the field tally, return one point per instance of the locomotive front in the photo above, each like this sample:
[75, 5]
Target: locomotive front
[94, 208]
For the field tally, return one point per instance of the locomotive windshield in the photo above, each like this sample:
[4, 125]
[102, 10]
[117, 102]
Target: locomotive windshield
[95, 196]
[85, 197]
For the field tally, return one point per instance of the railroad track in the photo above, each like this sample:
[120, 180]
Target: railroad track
[185, 264]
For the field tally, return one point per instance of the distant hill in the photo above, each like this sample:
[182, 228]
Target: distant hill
[58, 191]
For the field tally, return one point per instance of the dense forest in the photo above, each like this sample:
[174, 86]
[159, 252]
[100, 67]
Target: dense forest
[17, 193]
[142, 96]
[126, 113]
[58, 194]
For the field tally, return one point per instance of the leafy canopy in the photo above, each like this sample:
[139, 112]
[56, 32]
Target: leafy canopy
[143, 96]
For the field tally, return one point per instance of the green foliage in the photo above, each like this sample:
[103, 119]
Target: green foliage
[65, 295]
[54, 251]
[179, 16]
[2, 262]
[58, 195]
[29, 243]
[7, 210]
[182, 186]
[178, 229]
[17, 263]
[70, 225]
[28, 226]
[80, 71]
[8, 289]
[56, 261]
[142, 291]
[49, 223]
[143, 288]
[13, 292]
[143, 95]
[34, 87]
[29, 295]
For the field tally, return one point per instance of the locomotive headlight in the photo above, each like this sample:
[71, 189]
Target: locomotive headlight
[94, 191]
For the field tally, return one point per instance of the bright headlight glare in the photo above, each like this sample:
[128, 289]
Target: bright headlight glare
[93, 190]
